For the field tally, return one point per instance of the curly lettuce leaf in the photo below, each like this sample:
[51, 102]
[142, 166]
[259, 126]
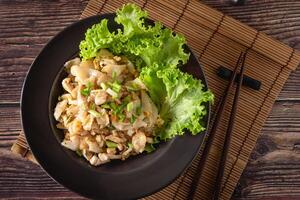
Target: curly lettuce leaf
[165, 50]
[132, 18]
[150, 45]
[181, 99]
[97, 37]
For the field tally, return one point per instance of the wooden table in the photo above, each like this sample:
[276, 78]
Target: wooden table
[25, 27]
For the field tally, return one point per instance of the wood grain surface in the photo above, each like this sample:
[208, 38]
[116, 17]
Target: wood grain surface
[273, 172]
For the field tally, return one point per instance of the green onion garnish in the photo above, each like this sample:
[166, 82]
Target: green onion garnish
[114, 74]
[93, 106]
[111, 144]
[115, 86]
[121, 117]
[132, 119]
[95, 113]
[106, 105]
[139, 110]
[129, 106]
[113, 106]
[127, 99]
[103, 86]
[129, 144]
[87, 90]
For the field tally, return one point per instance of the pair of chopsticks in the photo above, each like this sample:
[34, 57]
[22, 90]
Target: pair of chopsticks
[219, 113]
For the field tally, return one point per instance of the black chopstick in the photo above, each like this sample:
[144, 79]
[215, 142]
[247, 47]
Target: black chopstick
[230, 127]
[218, 115]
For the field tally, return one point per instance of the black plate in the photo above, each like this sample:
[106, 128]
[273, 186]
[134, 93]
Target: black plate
[134, 178]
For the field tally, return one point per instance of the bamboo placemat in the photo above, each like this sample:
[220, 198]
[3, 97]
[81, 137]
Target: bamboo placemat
[218, 40]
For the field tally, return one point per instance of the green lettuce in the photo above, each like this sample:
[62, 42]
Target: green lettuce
[180, 98]
[145, 44]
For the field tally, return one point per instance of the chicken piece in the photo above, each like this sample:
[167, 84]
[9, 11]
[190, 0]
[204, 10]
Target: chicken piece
[139, 122]
[72, 110]
[115, 139]
[88, 122]
[103, 121]
[60, 108]
[81, 100]
[139, 141]
[102, 54]
[120, 147]
[111, 151]
[95, 160]
[66, 83]
[72, 144]
[117, 58]
[93, 146]
[88, 155]
[100, 141]
[70, 63]
[103, 157]
[100, 96]
[75, 127]
[87, 64]
[74, 92]
[80, 73]
[126, 153]
[111, 69]
[60, 126]
[114, 157]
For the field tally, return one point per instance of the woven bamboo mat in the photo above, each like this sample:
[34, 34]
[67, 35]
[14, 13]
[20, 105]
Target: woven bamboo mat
[218, 40]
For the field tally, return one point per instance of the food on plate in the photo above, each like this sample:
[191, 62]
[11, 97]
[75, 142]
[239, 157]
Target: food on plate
[126, 93]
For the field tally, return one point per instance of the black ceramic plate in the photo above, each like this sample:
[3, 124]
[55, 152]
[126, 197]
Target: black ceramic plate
[134, 178]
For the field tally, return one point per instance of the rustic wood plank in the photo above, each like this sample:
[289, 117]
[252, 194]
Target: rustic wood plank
[26, 26]
[273, 170]
[274, 167]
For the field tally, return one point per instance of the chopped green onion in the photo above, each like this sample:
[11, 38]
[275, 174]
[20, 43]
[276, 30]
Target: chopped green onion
[103, 86]
[112, 93]
[87, 90]
[78, 152]
[127, 99]
[149, 148]
[129, 144]
[95, 113]
[106, 105]
[139, 110]
[130, 88]
[115, 86]
[121, 117]
[93, 106]
[129, 106]
[114, 74]
[132, 119]
[111, 144]
[113, 106]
